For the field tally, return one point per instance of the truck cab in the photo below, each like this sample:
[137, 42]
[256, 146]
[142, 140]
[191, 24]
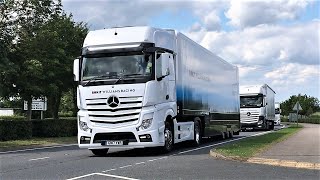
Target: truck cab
[257, 107]
[277, 114]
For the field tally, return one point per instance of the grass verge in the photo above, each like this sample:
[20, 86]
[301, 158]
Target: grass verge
[35, 142]
[247, 148]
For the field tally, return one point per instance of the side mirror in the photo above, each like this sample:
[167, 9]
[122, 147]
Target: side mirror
[76, 70]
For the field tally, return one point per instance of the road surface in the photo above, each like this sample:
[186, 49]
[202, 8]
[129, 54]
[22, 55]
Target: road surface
[184, 162]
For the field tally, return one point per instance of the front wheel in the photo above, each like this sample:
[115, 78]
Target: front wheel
[168, 138]
[99, 152]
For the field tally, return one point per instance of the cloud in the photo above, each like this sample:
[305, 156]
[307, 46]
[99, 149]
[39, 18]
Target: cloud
[212, 21]
[251, 13]
[265, 44]
[295, 78]
[103, 14]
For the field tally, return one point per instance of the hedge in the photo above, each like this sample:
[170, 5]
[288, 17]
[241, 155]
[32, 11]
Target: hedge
[24, 129]
[15, 118]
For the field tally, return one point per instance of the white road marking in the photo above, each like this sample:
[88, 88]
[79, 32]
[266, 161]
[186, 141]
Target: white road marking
[224, 142]
[82, 176]
[115, 176]
[38, 159]
[109, 170]
[164, 157]
[140, 163]
[48, 147]
[158, 159]
[125, 166]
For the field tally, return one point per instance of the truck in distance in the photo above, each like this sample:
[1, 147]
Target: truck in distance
[149, 87]
[257, 109]
[277, 120]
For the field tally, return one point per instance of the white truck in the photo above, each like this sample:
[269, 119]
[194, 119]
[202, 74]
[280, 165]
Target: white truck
[149, 87]
[277, 113]
[257, 109]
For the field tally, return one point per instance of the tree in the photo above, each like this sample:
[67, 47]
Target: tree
[59, 42]
[308, 104]
[39, 43]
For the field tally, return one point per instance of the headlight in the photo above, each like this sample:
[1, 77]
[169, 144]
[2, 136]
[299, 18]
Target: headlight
[146, 122]
[83, 125]
[261, 118]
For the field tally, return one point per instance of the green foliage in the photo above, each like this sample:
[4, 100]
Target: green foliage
[313, 119]
[25, 129]
[13, 118]
[54, 128]
[39, 44]
[309, 104]
[11, 129]
[67, 104]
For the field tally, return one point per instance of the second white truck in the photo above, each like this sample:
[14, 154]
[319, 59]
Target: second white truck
[277, 113]
[257, 107]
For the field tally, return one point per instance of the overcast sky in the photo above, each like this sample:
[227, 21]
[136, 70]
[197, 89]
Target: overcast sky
[273, 42]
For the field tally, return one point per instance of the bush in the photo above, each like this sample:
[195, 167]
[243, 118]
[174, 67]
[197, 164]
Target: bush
[54, 128]
[24, 129]
[314, 119]
[11, 130]
[13, 118]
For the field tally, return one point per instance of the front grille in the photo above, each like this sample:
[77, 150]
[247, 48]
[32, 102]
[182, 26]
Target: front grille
[128, 110]
[253, 118]
[123, 136]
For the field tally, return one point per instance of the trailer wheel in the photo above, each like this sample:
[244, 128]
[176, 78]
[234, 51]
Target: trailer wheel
[197, 134]
[231, 134]
[99, 152]
[226, 135]
[168, 137]
[272, 126]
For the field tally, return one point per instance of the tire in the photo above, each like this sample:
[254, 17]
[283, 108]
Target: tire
[197, 134]
[223, 135]
[226, 134]
[99, 152]
[230, 134]
[168, 138]
[272, 126]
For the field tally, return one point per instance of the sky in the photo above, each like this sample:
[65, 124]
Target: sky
[276, 42]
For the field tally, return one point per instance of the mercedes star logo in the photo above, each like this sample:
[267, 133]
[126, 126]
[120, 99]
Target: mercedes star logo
[248, 113]
[113, 101]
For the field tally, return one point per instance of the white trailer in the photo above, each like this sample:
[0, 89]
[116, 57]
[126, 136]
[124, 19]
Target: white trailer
[257, 108]
[148, 87]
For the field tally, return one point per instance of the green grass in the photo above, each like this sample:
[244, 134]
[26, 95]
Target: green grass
[246, 148]
[35, 142]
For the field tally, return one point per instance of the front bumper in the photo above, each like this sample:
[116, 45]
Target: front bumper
[251, 125]
[97, 135]
[130, 143]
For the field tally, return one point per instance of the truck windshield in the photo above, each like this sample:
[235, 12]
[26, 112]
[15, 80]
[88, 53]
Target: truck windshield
[277, 111]
[250, 101]
[117, 67]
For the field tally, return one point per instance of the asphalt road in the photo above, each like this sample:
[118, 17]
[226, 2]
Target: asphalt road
[183, 163]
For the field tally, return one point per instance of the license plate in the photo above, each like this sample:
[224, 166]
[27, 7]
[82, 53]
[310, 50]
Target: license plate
[112, 143]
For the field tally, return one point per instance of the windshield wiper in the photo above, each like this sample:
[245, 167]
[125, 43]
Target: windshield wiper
[123, 77]
[95, 78]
